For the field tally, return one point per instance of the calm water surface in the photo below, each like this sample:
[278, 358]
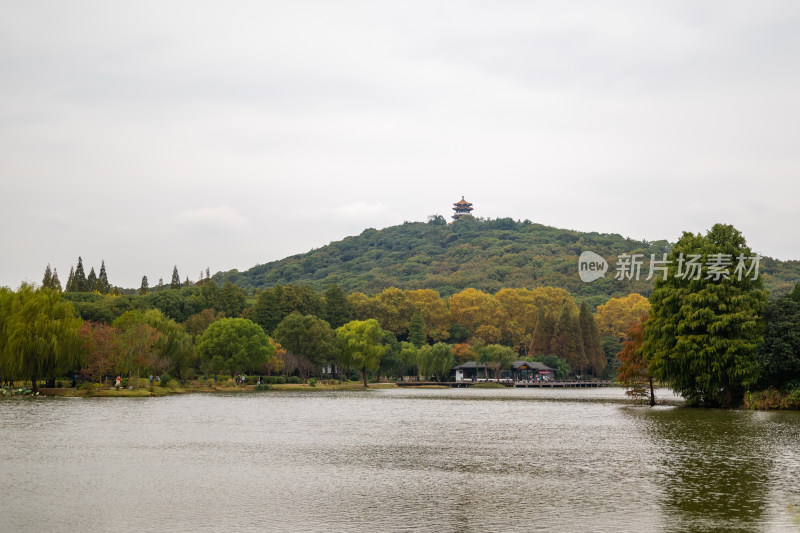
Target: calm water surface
[395, 460]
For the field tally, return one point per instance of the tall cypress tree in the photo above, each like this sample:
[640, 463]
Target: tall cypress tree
[47, 280]
[592, 347]
[416, 331]
[70, 287]
[542, 334]
[145, 287]
[91, 281]
[81, 284]
[55, 284]
[102, 284]
[567, 341]
[176, 279]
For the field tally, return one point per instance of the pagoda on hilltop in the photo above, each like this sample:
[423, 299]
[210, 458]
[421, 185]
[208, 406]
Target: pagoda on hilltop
[462, 209]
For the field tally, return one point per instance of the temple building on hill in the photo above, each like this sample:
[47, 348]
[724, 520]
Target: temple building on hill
[462, 209]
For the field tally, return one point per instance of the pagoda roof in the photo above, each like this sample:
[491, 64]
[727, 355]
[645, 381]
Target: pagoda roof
[462, 202]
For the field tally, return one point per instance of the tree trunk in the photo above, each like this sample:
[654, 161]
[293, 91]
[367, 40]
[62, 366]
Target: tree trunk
[652, 394]
[34, 385]
[364, 375]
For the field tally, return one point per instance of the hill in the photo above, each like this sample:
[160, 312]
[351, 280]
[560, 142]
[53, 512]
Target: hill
[483, 254]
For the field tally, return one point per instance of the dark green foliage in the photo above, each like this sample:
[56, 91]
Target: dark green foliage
[295, 380]
[102, 286]
[702, 334]
[779, 355]
[70, 286]
[91, 280]
[165, 379]
[176, 279]
[336, 309]
[80, 283]
[416, 331]
[276, 303]
[592, 347]
[145, 287]
[47, 280]
[482, 254]
[563, 370]
[306, 335]
[55, 283]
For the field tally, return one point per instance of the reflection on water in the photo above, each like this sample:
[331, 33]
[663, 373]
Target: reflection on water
[395, 460]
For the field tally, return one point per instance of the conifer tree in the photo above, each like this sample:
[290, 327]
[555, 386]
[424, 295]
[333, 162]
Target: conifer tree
[55, 284]
[592, 346]
[102, 286]
[47, 280]
[160, 286]
[416, 331]
[542, 334]
[145, 287]
[70, 287]
[176, 279]
[567, 341]
[81, 284]
[91, 281]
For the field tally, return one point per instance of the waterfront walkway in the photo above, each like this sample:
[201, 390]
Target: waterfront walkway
[524, 384]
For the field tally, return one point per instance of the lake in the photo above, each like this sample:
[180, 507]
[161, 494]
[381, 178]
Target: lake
[395, 460]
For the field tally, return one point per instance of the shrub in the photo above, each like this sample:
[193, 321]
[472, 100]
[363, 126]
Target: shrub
[312, 382]
[280, 380]
[165, 379]
[87, 385]
[261, 387]
[295, 380]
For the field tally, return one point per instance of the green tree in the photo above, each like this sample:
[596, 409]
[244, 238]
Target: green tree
[70, 286]
[39, 334]
[337, 310]
[198, 323]
[306, 335]
[232, 300]
[240, 344]
[779, 355]
[102, 286]
[176, 279]
[408, 359]
[81, 283]
[496, 357]
[567, 341]
[416, 331]
[542, 333]
[91, 280]
[590, 339]
[360, 346]
[436, 360]
[703, 331]
[47, 280]
[55, 284]
[144, 288]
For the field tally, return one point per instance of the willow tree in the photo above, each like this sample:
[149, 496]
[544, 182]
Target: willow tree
[436, 360]
[705, 318]
[38, 334]
[360, 346]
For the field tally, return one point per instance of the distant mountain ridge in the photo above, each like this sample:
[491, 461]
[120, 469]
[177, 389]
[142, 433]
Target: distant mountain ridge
[484, 254]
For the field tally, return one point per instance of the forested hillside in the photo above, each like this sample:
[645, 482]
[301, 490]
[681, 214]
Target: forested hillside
[473, 253]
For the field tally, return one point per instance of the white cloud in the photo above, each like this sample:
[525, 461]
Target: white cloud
[223, 217]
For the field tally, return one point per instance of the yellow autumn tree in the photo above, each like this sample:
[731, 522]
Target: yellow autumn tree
[616, 316]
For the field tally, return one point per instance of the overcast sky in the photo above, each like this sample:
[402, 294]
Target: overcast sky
[226, 134]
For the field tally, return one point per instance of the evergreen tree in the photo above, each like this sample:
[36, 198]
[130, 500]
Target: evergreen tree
[208, 273]
[703, 329]
[592, 346]
[542, 334]
[337, 310]
[55, 284]
[567, 341]
[145, 287]
[91, 280]
[47, 280]
[779, 354]
[160, 286]
[81, 283]
[102, 286]
[70, 287]
[176, 279]
[416, 331]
